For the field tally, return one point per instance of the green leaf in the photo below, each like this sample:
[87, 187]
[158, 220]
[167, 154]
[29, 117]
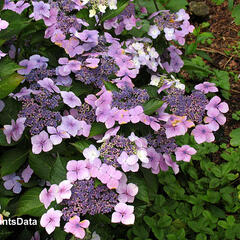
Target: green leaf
[16, 24]
[151, 181]
[150, 6]
[164, 221]
[235, 137]
[236, 14]
[29, 203]
[79, 88]
[121, 5]
[4, 202]
[58, 172]
[201, 236]
[145, 25]
[176, 5]
[191, 48]
[59, 234]
[188, 65]
[9, 83]
[97, 128]
[152, 91]
[81, 145]
[222, 79]
[11, 160]
[7, 67]
[41, 164]
[1, 4]
[152, 106]
[110, 86]
[212, 196]
[204, 36]
[230, 4]
[10, 111]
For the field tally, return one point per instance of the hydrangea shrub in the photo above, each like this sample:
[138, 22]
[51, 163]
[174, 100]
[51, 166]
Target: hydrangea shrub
[97, 100]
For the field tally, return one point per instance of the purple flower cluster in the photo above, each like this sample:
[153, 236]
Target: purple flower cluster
[192, 106]
[38, 111]
[128, 98]
[106, 67]
[86, 198]
[84, 113]
[161, 143]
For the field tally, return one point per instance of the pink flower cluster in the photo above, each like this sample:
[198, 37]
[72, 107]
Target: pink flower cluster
[86, 169]
[107, 114]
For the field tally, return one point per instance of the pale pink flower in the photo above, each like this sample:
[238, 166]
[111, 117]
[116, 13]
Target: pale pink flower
[50, 220]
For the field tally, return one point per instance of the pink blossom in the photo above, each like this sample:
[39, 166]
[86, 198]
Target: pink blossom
[91, 153]
[49, 21]
[12, 182]
[77, 170]
[84, 129]
[47, 196]
[41, 142]
[168, 160]
[202, 134]
[70, 99]
[128, 163]
[40, 10]
[15, 130]
[63, 191]
[109, 175]
[93, 167]
[29, 66]
[206, 87]
[48, 84]
[122, 116]
[38, 61]
[127, 192]
[135, 114]
[216, 105]
[57, 134]
[161, 114]
[214, 119]
[175, 127]
[154, 160]
[76, 227]
[3, 24]
[50, 220]
[109, 133]
[154, 32]
[184, 153]
[92, 62]
[91, 99]
[123, 213]
[70, 125]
